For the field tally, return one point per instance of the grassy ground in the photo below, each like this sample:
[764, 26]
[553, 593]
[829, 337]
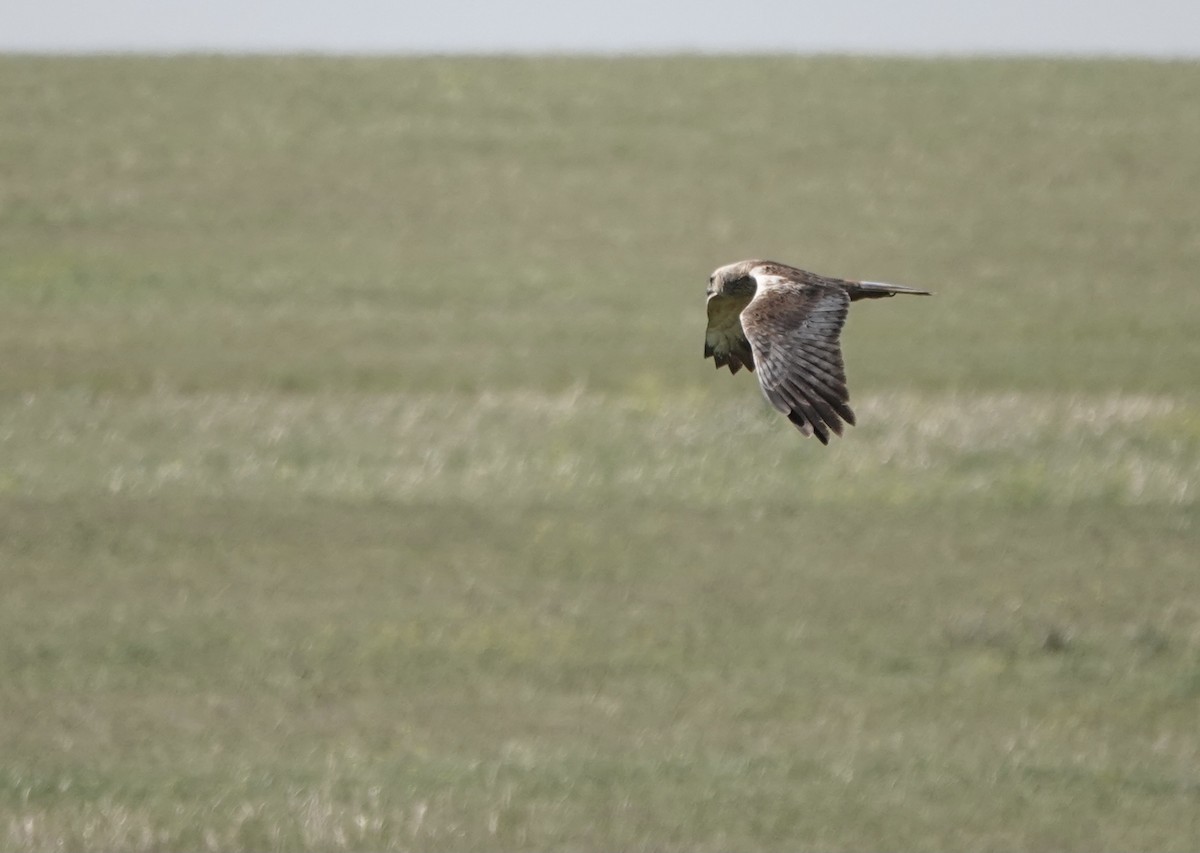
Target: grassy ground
[362, 486]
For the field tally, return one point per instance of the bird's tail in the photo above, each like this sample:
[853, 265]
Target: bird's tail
[879, 289]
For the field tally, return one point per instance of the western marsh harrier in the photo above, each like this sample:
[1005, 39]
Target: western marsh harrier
[785, 322]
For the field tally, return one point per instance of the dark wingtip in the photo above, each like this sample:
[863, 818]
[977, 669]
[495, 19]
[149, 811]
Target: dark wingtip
[708, 350]
[809, 428]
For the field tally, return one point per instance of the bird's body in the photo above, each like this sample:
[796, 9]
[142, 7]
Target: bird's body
[785, 322]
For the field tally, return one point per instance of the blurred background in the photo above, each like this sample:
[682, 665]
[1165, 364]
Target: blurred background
[1162, 28]
[362, 485]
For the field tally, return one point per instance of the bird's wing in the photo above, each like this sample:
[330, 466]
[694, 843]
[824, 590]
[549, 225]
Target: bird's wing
[793, 329]
[724, 339]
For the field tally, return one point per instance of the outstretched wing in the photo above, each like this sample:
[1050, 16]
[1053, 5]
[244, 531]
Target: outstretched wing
[793, 329]
[724, 339]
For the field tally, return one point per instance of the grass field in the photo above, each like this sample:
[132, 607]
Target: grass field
[362, 485]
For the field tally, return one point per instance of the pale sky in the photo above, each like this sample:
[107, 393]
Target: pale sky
[1161, 28]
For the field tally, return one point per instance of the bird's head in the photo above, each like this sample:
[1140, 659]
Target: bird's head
[733, 279]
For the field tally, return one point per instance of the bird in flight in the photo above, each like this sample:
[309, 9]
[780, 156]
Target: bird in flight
[785, 323]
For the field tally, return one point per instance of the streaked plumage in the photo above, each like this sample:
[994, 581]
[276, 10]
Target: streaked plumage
[785, 322]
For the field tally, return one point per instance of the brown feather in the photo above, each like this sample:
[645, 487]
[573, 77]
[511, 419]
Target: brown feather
[793, 328]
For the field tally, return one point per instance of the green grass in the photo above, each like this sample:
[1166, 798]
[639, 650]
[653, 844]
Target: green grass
[362, 486]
